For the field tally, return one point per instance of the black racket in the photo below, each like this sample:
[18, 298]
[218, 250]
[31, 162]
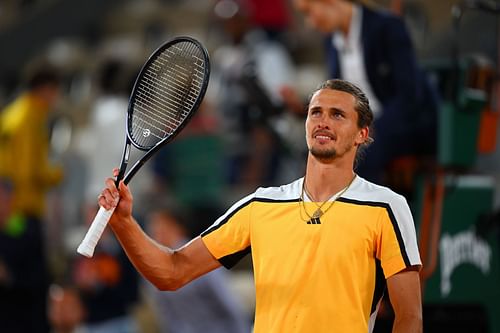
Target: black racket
[166, 94]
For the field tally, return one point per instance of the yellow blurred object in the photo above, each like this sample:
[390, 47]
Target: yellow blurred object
[24, 151]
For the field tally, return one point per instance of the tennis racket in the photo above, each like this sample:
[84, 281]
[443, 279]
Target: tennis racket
[167, 92]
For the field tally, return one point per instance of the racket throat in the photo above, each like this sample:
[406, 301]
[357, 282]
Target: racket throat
[123, 164]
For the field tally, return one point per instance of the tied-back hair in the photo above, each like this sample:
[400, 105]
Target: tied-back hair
[361, 105]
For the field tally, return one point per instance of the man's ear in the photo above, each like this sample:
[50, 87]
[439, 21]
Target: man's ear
[363, 136]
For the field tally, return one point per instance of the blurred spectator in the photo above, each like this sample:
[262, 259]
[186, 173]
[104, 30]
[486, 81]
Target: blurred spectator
[108, 286]
[190, 169]
[23, 271]
[66, 311]
[272, 16]
[372, 48]
[24, 142]
[249, 72]
[205, 305]
[101, 140]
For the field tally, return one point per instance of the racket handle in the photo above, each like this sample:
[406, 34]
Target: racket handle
[94, 233]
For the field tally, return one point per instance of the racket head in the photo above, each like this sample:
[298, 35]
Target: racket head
[167, 92]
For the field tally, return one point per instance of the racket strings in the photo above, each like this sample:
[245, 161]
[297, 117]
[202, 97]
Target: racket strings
[150, 97]
[167, 92]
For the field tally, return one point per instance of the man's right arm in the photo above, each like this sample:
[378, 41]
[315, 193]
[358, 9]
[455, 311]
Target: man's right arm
[166, 268]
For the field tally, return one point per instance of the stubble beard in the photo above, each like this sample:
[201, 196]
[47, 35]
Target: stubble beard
[323, 154]
[328, 154]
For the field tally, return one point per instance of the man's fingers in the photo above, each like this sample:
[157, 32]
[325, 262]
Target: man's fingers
[107, 200]
[101, 199]
[110, 196]
[124, 191]
[110, 185]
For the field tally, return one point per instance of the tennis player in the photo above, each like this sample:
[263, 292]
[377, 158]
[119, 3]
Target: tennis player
[325, 247]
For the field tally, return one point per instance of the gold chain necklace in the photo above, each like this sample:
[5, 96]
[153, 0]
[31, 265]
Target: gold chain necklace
[315, 218]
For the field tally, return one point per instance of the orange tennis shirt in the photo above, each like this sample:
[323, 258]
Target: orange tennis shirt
[327, 277]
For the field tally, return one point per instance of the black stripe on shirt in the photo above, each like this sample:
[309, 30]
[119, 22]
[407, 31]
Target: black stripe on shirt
[230, 260]
[390, 213]
[228, 217]
[378, 291]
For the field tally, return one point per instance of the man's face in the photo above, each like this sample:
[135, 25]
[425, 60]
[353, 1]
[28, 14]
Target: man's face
[332, 125]
[323, 15]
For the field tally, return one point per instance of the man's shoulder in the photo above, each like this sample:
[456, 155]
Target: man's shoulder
[287, 192]
[284, 193]
[368, 192]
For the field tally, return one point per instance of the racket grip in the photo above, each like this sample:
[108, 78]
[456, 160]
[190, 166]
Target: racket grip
[94, 233]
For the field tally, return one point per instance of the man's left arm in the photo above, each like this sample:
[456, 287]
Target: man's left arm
[405, 295]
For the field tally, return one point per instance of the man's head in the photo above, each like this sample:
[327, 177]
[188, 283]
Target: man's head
[167, 227]
[234, 17]
[326, 16]
[46, 75]
[45, 82]
[338, 120]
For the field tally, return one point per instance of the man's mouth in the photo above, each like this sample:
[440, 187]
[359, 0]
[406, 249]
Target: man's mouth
[323, 136]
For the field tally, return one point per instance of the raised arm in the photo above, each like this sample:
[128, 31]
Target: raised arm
[406, 300]
[167, 269]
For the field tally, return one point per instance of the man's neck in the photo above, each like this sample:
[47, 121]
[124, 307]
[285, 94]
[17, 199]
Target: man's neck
[324, 179]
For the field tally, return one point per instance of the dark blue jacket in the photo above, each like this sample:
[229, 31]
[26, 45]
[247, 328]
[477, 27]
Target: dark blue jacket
[409, 103]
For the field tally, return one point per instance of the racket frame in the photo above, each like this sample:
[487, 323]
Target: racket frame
[87, 246]
[151, 151]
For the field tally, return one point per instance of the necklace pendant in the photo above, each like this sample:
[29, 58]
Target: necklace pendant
[314, 220]
[317, 214]
[315, 217]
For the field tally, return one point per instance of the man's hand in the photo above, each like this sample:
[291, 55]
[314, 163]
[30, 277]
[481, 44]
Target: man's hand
[120, 198]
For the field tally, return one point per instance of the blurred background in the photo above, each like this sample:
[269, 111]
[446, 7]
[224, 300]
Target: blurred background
[249, 132]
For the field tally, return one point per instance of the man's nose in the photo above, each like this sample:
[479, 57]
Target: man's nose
[323, 122]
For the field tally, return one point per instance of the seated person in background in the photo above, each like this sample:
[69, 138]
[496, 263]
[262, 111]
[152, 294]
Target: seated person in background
[65, 310]
[108, 286]
[206, 305]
